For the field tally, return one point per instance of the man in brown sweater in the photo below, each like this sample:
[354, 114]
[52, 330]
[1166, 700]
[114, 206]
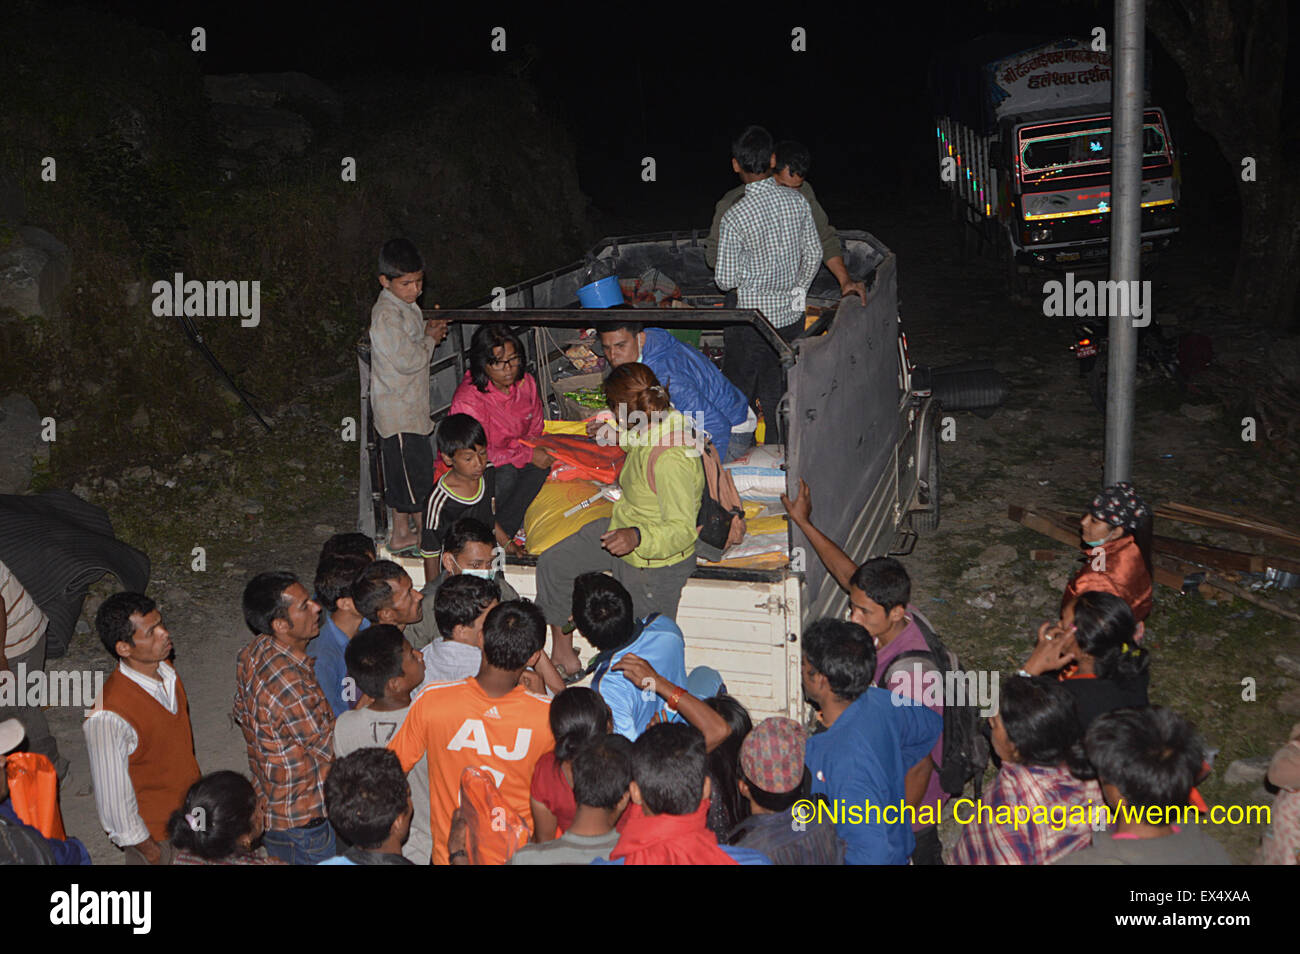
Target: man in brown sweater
[139, 736]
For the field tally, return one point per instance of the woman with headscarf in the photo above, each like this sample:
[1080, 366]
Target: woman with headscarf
[1116, 533]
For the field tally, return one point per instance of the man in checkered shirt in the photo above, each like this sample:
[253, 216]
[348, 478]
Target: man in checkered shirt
[287, 723]
[768, 250]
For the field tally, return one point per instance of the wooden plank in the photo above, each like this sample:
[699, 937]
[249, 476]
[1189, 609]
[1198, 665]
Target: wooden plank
[1037, 522]
[1220, 521]
[1172, 572]
[1218, 558]
[1044, 556]
[1250, 597]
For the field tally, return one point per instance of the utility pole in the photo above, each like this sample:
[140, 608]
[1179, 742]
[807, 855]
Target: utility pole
[1126, 111]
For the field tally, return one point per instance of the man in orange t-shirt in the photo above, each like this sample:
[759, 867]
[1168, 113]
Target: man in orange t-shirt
[487, 721]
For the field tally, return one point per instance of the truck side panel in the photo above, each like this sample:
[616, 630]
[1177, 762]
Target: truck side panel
[844, 425]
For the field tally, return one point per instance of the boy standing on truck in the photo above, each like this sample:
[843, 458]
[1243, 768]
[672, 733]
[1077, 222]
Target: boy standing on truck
[768, 251]
[791, 162]
[401, 347]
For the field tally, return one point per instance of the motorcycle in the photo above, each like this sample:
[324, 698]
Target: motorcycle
[1157, 354]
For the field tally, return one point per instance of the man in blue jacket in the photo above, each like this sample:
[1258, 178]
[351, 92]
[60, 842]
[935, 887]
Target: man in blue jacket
[602, 612]
[695, 385]
[859, 763]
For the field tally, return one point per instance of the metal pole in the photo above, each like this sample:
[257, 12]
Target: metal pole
[1125, 231]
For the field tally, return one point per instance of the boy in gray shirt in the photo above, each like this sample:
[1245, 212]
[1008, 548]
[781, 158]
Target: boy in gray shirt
[1147, 761]
[386, 668]
[602, 776]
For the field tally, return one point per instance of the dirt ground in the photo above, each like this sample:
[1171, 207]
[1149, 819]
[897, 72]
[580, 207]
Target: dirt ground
[256, 501]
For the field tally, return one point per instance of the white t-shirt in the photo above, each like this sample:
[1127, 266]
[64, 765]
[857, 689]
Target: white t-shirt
[24, 620]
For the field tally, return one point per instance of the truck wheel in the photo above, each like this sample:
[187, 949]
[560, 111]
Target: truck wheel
[965, 390]
[925, 521]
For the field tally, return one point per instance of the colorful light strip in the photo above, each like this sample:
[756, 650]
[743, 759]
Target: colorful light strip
[1070, 215]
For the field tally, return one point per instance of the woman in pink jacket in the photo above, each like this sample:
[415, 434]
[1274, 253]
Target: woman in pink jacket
[503, 397]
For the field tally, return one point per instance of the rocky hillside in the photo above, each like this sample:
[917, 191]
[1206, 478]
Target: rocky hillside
[125, 165]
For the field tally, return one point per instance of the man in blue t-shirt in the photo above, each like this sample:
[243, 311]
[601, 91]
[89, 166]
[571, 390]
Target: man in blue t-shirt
[335, 575]
[695, 385]
[859, 763]
[602, 612]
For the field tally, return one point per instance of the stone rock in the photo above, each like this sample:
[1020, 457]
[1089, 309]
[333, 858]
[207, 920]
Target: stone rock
[982, 601]
[1289, 703]
[20, 435]
[34, 273]
[252, 507]
[1200, 412]
[948, 498]
[140, 419]
[1000, 554]
[271, 133]
[270, 89]
[1288, 664]
[295, 464]
[82, 627]
[204, 457]
[323, 530]
[1247, 771]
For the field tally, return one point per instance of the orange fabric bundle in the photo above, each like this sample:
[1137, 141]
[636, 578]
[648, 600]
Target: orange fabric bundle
[580, 458]
[34, 792]
[495, 831]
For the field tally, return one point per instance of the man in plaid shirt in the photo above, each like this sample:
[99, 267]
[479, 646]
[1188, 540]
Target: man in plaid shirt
[287, 722]
[769, 251]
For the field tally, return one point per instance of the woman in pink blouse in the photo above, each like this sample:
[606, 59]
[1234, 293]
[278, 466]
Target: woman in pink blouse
[503, 397]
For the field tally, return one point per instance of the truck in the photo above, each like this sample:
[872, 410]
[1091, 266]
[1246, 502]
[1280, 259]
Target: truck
[1024, 143]
[860, 434]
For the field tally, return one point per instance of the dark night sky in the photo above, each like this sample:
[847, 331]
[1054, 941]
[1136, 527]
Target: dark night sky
[670, 81]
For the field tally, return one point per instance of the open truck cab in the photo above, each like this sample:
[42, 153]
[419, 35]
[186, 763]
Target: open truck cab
[863, 439]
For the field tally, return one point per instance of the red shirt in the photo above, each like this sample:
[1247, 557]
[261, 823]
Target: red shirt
[551, 788]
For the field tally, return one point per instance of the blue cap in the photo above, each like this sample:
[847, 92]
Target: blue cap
[705, 682]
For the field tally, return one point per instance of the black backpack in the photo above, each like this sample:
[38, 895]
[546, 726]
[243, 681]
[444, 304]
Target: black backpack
[965, 749]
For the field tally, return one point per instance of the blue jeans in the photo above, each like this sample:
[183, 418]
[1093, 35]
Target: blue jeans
[302, 846]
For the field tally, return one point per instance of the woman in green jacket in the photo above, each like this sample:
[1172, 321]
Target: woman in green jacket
[649, 544]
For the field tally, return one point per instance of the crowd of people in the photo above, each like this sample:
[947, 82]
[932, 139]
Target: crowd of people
[390, 724]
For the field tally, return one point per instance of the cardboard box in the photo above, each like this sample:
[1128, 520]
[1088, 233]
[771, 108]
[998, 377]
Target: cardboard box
[571, 410]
